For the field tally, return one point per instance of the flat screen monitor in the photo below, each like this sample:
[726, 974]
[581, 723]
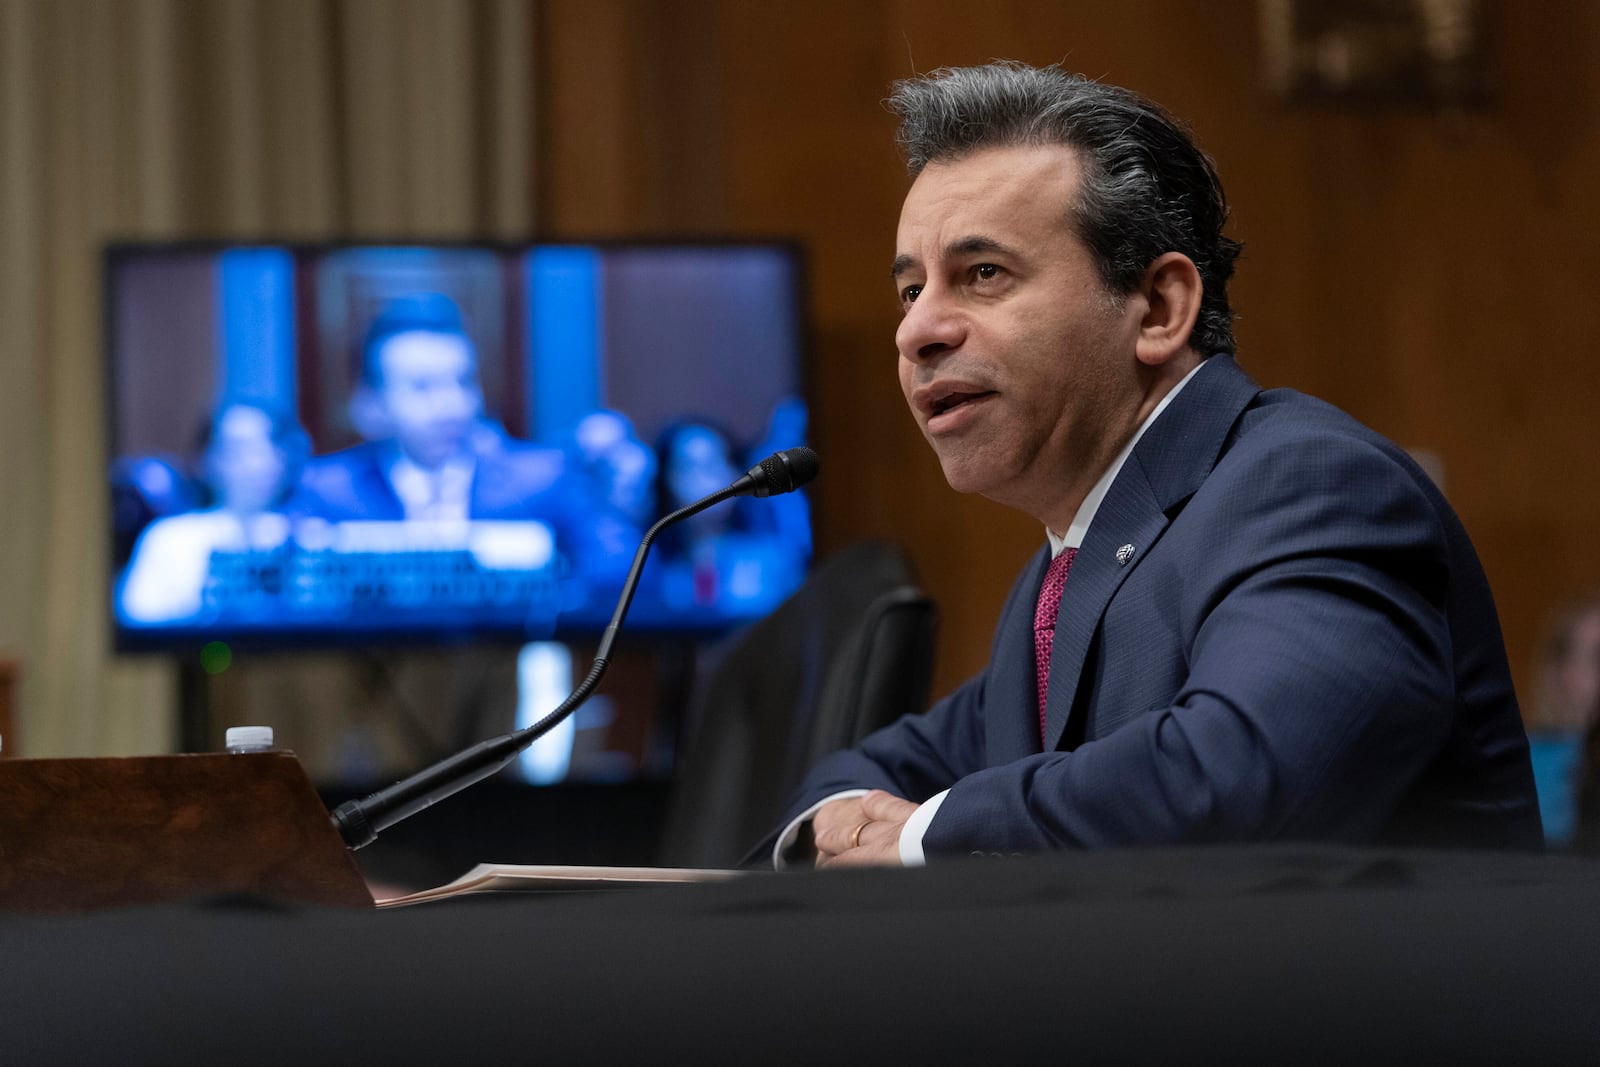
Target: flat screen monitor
[313, 444]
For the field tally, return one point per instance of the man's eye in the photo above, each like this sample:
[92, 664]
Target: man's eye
[986, 271]
[910, 293]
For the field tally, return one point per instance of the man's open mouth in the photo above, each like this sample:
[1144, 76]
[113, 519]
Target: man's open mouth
[955, 400]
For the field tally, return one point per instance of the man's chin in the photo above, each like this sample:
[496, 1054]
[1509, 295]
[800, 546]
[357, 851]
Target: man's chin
[964, 476]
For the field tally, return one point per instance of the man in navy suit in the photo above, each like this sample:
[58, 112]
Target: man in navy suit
[429, 455]
[1255, 619]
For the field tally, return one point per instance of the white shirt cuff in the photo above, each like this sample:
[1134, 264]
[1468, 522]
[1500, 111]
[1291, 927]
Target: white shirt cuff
[792, 831]
[916, 826]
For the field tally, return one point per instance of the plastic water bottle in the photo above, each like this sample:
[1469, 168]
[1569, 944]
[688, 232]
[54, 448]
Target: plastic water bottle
[241, 739]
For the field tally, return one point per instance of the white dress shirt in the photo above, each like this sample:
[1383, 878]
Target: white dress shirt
[442, 495]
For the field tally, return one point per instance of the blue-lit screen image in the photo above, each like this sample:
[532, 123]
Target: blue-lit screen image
[362, 442]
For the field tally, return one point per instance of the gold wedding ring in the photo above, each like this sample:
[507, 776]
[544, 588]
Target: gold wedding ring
[855, 835]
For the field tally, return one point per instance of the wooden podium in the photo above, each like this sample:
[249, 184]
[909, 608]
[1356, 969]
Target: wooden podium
[77, 834]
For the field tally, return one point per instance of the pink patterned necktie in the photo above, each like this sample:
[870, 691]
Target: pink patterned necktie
[1044, 624]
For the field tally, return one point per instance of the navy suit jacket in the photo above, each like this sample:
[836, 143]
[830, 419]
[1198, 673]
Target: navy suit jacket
[1301, 645]
[513, 481]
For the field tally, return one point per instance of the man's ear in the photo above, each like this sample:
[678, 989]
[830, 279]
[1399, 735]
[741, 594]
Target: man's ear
[1172, 290]
[369, 415]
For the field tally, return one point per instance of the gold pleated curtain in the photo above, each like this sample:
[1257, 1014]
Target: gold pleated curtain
[180, 119]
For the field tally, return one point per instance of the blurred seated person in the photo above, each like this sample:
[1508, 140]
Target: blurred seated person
[1568, 684]
[620, 471]
[709, 561]
[787, 516]
[144, 488]
[248, 457]
[621, 468]
[429, 454]
[1566, 694]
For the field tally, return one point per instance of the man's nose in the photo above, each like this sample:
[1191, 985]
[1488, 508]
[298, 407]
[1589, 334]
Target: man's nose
[932, 325]
[452, 400]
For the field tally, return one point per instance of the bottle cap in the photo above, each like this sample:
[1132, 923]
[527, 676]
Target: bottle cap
[249, 737]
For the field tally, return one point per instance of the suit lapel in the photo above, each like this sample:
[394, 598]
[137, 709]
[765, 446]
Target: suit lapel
[1166, 467]
[376, 487]
[1129, 515]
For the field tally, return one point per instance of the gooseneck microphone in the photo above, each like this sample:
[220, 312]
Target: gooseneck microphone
[360, 821]
[781, 472]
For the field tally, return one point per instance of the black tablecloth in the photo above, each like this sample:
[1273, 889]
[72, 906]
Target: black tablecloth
[1285, 954]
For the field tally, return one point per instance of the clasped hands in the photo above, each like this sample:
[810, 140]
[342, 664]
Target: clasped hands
[860, 831]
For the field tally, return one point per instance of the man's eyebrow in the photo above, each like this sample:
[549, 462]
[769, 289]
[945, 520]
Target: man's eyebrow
[974, 245]
[977, 244]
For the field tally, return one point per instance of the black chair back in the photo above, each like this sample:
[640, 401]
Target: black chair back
[849, 652]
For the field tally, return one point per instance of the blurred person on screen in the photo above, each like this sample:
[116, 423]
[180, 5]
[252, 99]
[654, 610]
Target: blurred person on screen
[248, 458]
[712, 561]
[787, 516]
[621, 467]
[146, 487]
[430, 454]
[620, 471]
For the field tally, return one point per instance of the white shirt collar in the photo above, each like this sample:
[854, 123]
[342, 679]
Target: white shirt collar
[1076, 532]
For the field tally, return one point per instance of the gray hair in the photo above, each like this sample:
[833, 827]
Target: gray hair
[1146, 190]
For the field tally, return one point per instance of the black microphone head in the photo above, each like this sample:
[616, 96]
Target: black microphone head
[784, 472]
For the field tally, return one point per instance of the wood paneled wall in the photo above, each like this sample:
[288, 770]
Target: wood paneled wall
[1435, 279]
